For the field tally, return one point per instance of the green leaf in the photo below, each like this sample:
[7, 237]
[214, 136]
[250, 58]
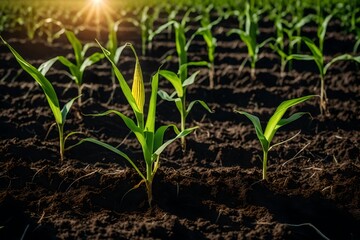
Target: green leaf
[323, 27]
[94, 58]
[180, 42]
[184, 67]
[113, 149]
[300, 57]
[202, 103]
[316, 52]
[160, 29]
[77, 47]
[128, 121]
[250, 43]
[74, 69]
[290, 119]
[303, 21]
[174, 80]
[179, 105]
[118, 53]
[123, 84]
[42, 81]
[86, 47]
[139, 133]
[190, 80]
[271, 127]
[44, 68]
[65, 110]
[343, 57]
[159, 135]
[165, 96]
[258, 129]
[184, 133]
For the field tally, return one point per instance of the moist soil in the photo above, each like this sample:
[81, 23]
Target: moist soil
[213, 190]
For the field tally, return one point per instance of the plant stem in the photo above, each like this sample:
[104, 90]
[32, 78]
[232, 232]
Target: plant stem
[211, 76]
[148, 182]
[265, 165]
[183, 121]
[62, 141]
[282, 69]
[149, 191]
[79, 94]
[252, 71]
[323, 98]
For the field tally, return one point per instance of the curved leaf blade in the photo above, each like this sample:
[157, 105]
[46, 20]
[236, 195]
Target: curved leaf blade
[202, 103]
[184, 133]
[113, 149]
[258, 129]
[174, 80]
[66, 108]
[278, 114]
[44, 83]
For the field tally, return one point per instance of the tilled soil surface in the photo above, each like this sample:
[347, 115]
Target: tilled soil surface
[213, 190]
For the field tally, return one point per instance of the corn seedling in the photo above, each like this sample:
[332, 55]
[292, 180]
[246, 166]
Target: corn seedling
[182, 45]
[50, 94]
[146, 23]
[150, 138]
[317, 55]
[249, 38]
[179, 96]
[81, 62]
[275, 122]
[52, 29]
[210, 40]
[180, 81]
[172, 11]
[30, 19]
[285, 30]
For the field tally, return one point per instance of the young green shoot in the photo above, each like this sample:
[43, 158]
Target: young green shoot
[51, 97]
[182, 45]
[317, 55]
[82, 62]
[151, 139]
[206, 32]
[249, 38]
[275, 122]
[179, 96]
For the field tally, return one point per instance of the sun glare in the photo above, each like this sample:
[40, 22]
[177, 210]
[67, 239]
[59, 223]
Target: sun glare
[97, 2]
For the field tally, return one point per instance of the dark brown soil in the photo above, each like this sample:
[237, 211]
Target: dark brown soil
[213, 190]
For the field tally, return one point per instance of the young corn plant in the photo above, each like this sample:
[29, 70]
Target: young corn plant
[249, 38]
[275, 122]
[181, 80]
[285, 30]
[51, 97]
[171, 11]
[30, 19]
[182, 45]
[151, 139]
[317, 55]
[206, 32]
[146, 24]
[52, 29]
[179, 96]
[76, 69]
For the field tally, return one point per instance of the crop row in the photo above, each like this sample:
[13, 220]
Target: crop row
[288, 19]
[151, 139]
